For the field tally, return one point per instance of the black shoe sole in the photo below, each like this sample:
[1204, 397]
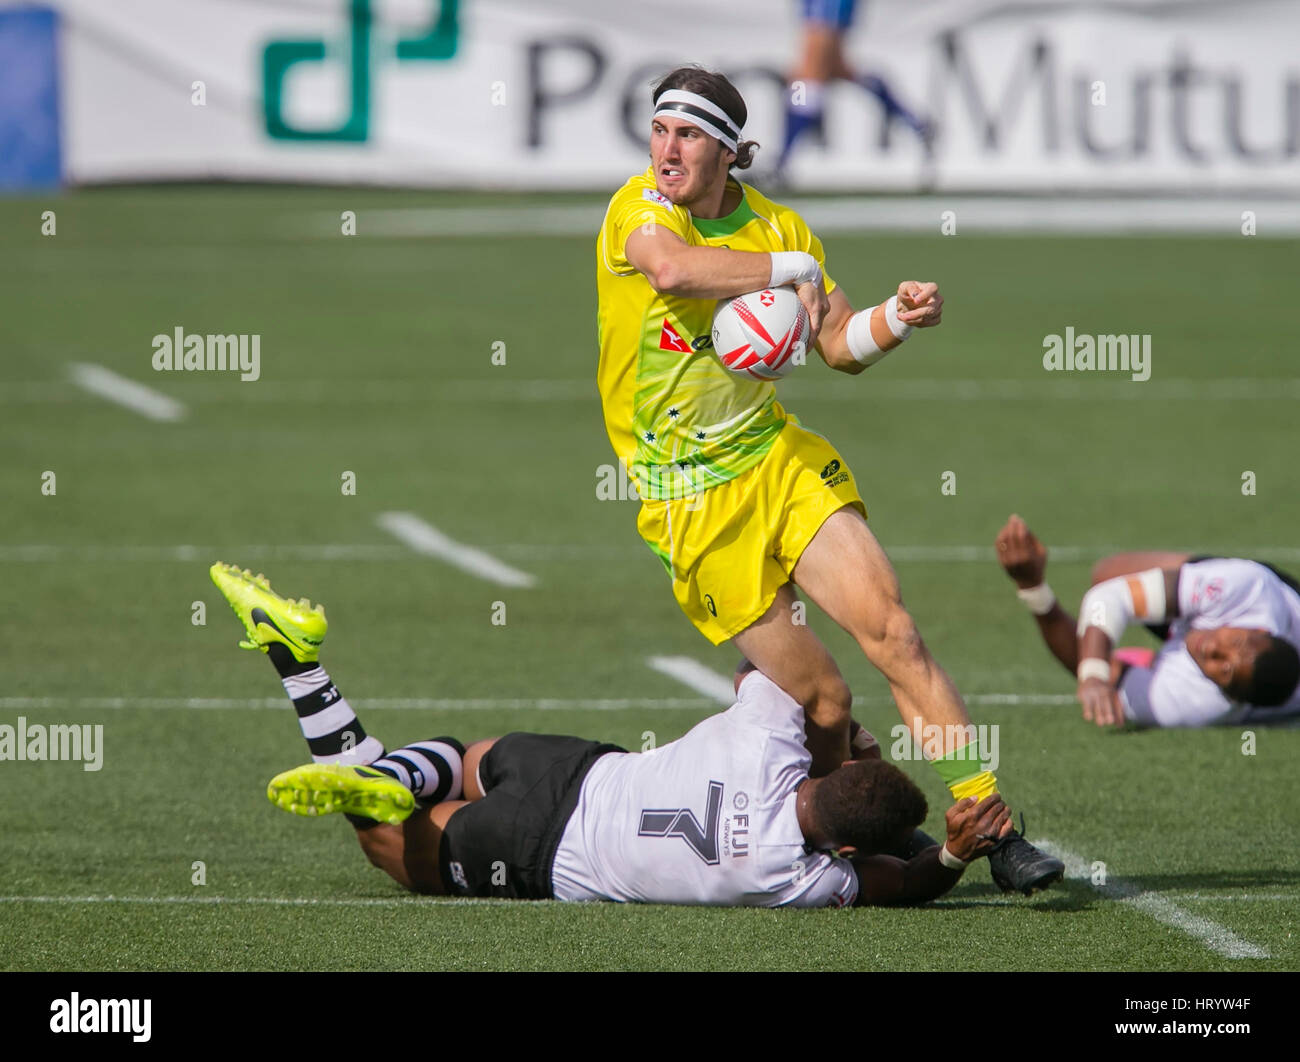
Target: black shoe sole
[1046, 881]
[1038, 884]
[1034, 874]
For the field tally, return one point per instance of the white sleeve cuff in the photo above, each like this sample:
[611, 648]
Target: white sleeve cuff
[1108, 607]
[793, 267]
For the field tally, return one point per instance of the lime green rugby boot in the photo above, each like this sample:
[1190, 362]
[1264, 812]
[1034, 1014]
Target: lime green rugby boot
[325, 788]
[268, 617]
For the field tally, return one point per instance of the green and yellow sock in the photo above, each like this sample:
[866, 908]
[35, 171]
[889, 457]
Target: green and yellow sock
[963, 773]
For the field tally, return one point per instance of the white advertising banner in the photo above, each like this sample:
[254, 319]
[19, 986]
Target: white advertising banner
[1025, 96]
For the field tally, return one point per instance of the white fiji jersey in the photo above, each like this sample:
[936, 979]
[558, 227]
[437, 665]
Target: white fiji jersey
[1211, 593]
[707, 819]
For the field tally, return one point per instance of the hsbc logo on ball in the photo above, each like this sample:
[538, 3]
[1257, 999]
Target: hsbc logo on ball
[767, 298]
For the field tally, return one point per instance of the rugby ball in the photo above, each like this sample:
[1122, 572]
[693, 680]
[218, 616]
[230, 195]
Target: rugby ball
[762, 335]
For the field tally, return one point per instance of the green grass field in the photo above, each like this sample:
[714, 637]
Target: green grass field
[376, 359]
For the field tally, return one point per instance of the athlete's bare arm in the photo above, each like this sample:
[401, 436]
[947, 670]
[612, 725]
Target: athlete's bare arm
[1024, 558]
[919, 305]
[973, 829]
[1100, 699]
[822, 57]
[1118, 564]
[674, 267]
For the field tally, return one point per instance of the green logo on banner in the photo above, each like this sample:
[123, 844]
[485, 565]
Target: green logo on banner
[439, 42]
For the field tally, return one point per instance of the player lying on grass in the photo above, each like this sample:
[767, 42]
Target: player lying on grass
[1230, 629]
[725, 815]
[741, 503]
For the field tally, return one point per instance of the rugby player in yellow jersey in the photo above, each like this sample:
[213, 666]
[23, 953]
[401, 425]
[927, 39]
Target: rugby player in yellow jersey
[740, 502]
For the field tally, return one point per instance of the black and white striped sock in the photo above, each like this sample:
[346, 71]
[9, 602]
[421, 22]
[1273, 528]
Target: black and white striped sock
[432, 769]
[333, 732]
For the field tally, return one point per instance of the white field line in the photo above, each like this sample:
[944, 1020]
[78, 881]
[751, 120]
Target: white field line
[134, 396]
[696, 676]
[33, 553]
[396, 901]
[721, 688]
[267, 901]
[38, 552]
[426, 539]
[1084, 216]
[1035, 386]
[1213, 936]
[474, 704]
[337, 551]
[1247, 897]
[417, 704]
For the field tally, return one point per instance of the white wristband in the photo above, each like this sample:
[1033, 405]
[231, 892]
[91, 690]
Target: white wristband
[863, 740]
[793, 267]
[861, 343]
[1094, 668]
[1038, 599]
[949, 860]
[901, 331]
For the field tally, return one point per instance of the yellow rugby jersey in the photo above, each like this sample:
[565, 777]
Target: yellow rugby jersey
[679, 420]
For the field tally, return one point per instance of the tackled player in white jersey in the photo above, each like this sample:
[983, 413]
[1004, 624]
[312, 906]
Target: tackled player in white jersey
[727, 815]
[1230, 630]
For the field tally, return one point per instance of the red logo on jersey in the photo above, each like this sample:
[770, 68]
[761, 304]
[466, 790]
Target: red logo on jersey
[1207, 594]
[767, 298]
[669, 339]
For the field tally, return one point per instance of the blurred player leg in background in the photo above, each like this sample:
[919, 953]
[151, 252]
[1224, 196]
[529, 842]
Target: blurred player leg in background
[822, 61]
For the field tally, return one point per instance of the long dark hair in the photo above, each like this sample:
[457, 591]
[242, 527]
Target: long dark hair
[717, 90]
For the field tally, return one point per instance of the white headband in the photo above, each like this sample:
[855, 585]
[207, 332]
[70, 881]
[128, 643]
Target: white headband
[698, 111]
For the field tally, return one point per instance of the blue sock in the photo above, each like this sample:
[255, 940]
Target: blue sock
[893, 106]
[803, 111]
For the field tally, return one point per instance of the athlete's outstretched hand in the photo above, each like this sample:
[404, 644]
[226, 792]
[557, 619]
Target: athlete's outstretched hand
[974, 828]
[816, 302]
[1021, 554]
[919, 305]
[1100, 703]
